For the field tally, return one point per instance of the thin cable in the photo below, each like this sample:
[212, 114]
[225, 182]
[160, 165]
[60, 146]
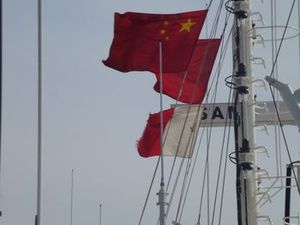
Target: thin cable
[282, 38]
[149, 191]
[224, 176]
[72, 197]
[272, 93]
[222, 57]
[284, 137]
[204, 177]
[174, 161]
[220, 161]
[1, 92]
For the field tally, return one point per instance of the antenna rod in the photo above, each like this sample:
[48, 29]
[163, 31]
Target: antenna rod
[100, 216]
[39, 139]
[72, 191]
[1, 30]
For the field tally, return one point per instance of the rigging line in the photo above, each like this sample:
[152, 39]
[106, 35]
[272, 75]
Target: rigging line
[187, 114]
[173, 191]
[221, 52]
[198, 146]
[206, 161]
[299, 29]
[221, 156]
[206, 167]
[189, 183]
[274, 48]
[167, 132]
[219, 66]
[282, 38]
[209, 4]
[209, 132]
[181, 165]
[176, 182]
[1, 94]
[180, 140]
[224, 175]
[188, 187]
[149, 191]
[216, 19]
[182, 191]
[283, 135]
[193, 96]
[192, 141]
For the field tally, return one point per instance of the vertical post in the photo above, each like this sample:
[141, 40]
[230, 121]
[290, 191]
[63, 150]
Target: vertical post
[162, 192]
[288, 182]
[100, 214]
[245, 117]
[299, 28]
[1, 30]
[72, 191]
[39, 144]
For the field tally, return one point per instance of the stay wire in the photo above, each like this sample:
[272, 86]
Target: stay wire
[154, 174]
[282, 38]
[224, 176]
[221, 156]
[205, 172]
[284, 137]
[175, 158]
[149, 191]
[215, 93]
[272, 92]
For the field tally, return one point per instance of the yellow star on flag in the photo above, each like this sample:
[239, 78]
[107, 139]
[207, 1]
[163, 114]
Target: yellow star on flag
[187, 25]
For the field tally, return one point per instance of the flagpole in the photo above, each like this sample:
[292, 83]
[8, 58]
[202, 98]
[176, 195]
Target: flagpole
[72, 197]
[39, 153]
[162, 192]
[100, 216]
[1, 30]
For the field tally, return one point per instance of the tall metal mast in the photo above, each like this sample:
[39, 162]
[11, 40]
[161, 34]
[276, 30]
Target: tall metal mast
[1, 69]
[38, 219]
[246, 184]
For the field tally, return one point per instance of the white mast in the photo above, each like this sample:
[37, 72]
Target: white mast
[245, 117]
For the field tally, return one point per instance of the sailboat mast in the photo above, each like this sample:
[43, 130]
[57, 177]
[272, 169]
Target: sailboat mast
[246, 184]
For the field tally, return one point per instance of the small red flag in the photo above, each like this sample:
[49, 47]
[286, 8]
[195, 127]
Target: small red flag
[180, 126]
[190, 87]
[149, 144]
[135, 46]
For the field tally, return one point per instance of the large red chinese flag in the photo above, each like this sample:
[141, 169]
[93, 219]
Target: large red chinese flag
[190, 86]
[135, 46]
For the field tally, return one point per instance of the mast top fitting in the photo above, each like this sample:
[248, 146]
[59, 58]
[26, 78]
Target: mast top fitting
[241, 9]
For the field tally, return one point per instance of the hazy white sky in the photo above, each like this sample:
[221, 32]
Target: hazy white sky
[93, 115]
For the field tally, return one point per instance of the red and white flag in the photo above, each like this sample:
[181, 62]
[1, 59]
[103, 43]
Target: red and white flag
[180, 126]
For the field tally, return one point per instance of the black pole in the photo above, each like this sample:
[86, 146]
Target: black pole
[1, 89]
[288, 194]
